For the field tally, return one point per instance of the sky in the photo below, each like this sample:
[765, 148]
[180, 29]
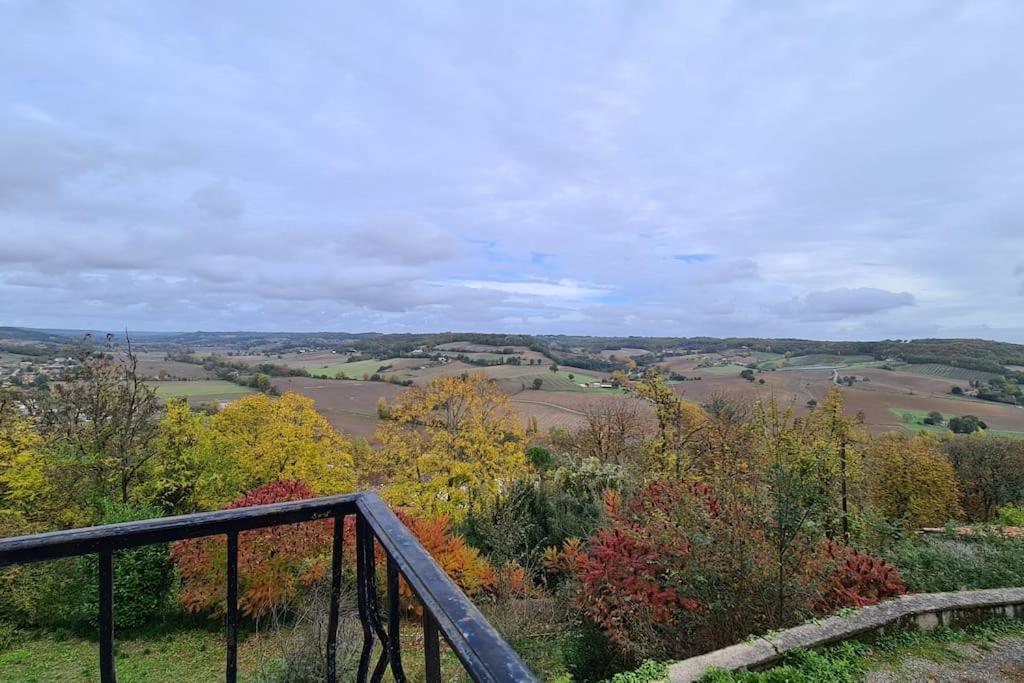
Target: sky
[821, 169]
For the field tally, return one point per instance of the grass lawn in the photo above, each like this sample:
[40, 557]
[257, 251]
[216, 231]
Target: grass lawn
[195, 652]
[201, 391]
[354, 370]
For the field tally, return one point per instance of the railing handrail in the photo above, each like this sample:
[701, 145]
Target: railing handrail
[482, 651]
[476, 643]
[54, 545]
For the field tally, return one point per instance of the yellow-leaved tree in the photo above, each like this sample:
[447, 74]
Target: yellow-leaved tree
[910, 480]
[193, 469]
[447, 444]
[23, 477]
[841, 440]
[679, 423]
[269, 439]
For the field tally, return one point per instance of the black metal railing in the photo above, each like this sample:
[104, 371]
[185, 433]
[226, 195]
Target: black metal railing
[446, 609]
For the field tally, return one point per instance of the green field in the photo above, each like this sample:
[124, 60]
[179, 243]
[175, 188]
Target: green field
[817, 359]
[201, 391]
[730, 369]
[916, 424]
[512, 378]
[354, 370]
[912, 420]
[947, 371]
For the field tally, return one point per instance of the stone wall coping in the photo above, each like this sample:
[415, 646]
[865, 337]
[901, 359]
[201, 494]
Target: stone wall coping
[767, 650]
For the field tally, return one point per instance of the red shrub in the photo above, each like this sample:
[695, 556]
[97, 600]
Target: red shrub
[859, 579]
[273, 563]
[625, 573]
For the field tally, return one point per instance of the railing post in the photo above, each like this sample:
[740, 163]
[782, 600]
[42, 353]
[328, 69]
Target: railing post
[231, 673]
[394, 617]
[431, 649]
[106, 579]
[332, 617]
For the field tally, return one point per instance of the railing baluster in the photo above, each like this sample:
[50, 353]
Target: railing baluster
[394, 615]
[431, 648]
[332, 618]
[362, 588]
[373, 607]
[232, 617]
[106, 578]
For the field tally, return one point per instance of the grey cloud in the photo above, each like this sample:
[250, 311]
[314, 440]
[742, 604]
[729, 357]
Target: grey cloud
[732, 270]
[409, 242]
[264, 172]
[218, 201]
[837, 304]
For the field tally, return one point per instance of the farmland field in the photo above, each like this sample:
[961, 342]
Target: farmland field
[201, 391]
[820, 360]
[349, 405]
[947, 371]
[730, 369]
[152, 362]
[623, 352]
[356, 369]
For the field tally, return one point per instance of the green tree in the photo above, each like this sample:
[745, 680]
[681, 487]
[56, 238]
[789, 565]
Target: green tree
[968, 424]
[103, 421]
[990, 471]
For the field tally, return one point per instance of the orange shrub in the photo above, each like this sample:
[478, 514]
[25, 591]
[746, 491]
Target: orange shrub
[273, 563]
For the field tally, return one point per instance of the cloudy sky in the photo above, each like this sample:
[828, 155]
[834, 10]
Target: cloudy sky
[825, 169]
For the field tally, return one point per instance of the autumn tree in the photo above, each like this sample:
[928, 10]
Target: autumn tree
[679, 421]
[103, 421]
[613, 431]
[23, 473]
[990, 471]
[269, 439]
[192, 469]
[723, 447]
[840, 440]
[447, 444]
[909, 479]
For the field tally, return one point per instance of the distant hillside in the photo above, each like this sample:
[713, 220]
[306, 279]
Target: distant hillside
[23, 334]
[578, 351]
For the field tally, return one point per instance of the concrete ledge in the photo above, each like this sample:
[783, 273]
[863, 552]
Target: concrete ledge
[920, 612]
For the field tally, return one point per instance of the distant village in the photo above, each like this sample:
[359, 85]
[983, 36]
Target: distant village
[36, 372]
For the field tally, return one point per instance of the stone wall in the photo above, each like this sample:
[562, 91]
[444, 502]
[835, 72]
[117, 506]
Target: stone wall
[921, 611]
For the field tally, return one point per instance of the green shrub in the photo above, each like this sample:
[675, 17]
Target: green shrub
[650, 670]
[10, 635]
[540, 457]
[42, 594]
[589, 655]
[841, 664]
[533, 515]
[1011, 515]
[947, 564]
[142, 576]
